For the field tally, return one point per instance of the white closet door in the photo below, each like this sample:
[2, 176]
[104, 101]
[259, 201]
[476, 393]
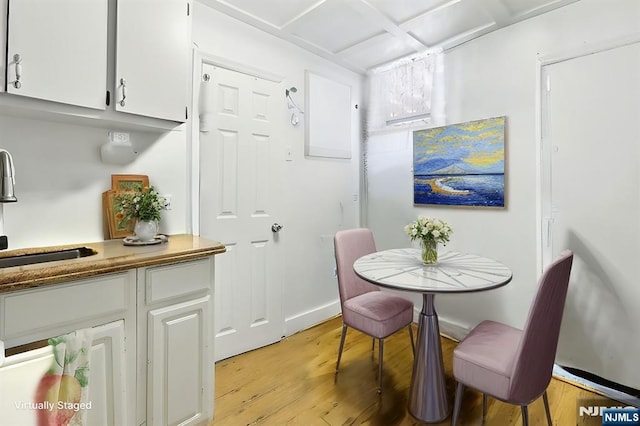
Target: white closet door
[591, 193]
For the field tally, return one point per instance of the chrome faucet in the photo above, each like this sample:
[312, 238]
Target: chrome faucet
[7, 180]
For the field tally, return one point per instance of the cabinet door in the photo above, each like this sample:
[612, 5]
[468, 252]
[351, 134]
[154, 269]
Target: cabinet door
[153, 58]
[3, 42]
[180, 365]
[19, 378]
[59, 49]
[107, 376]
[21, 373]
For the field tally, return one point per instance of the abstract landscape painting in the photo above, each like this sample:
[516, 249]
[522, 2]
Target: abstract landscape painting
[460, 164]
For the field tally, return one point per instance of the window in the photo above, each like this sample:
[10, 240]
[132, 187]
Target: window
[400, 93]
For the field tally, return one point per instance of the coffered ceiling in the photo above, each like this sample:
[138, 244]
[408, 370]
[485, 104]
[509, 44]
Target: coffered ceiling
[362, 34]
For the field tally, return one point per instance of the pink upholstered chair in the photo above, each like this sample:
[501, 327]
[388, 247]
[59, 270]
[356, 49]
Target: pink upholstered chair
[364, 307]
[515, 365]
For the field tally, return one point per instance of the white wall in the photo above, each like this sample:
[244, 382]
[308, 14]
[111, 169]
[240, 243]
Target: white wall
[60, 179]
[319, 192]
[492, 76]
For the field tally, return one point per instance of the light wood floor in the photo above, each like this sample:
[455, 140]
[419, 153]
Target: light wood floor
[292, 383]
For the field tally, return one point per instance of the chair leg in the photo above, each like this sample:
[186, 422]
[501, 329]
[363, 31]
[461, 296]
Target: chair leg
[413, 345]
[457, 404]
[380, 353]
[484, 407]
[344, 334]
[546, 408]
[525, 415]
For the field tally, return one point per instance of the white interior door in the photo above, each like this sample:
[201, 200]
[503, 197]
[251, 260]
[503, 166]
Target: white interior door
[241, 158]
[591, 195]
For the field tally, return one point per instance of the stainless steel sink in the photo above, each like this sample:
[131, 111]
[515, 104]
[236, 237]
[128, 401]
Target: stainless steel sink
[29, 259]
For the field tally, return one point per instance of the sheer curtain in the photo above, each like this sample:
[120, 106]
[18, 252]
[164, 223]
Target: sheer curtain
[401, 96]
[405, 93]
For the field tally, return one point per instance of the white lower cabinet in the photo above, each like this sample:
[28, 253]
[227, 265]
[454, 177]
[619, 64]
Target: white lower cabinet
[175, 308]
[19, 378]
[178, 356]
[107, 376]
[106, 305]
[151, 359]
[20, 375]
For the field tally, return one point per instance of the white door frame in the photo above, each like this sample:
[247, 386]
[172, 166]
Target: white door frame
[201, 58]
[543, 232]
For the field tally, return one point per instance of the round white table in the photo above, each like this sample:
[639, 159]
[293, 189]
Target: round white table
[402, 269]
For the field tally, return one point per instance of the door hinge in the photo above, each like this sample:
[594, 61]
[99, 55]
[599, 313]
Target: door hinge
[548, 83]
[108, 98]
[188, 11]
[549, 221]
[186, 113]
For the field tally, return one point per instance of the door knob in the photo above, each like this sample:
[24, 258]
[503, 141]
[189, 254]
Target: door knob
[276, 227]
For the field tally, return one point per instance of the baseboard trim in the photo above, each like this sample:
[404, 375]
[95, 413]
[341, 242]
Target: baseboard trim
[561, 374]
[452, 330]
[302, 321]
[307, 319]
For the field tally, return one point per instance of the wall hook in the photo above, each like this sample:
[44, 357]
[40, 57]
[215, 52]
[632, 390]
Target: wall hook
[291, 104]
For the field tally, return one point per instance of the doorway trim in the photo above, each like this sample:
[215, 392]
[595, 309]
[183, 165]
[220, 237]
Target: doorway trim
[201, 58]
[543, 159]
[540, 123]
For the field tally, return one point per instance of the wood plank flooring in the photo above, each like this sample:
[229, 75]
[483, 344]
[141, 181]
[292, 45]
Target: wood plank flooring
[293, 383]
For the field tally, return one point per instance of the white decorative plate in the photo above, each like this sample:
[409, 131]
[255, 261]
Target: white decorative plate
[135, 241]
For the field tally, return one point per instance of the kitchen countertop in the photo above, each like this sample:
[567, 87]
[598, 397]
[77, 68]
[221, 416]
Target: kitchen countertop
[111, 256]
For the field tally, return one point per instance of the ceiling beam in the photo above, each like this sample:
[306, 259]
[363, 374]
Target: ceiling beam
[364, 8]
[498, 11]
[274, 30]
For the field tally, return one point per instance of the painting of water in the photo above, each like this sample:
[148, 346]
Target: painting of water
[460, 164]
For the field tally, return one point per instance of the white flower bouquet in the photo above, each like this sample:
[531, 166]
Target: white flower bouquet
[425, 227]
[429, 232]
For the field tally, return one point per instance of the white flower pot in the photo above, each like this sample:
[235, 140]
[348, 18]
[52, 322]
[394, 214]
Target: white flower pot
[146, 230]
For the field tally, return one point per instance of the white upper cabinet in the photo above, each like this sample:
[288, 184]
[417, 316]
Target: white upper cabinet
[57, 51]
[75, 54]
[3, 41]
[152, 58]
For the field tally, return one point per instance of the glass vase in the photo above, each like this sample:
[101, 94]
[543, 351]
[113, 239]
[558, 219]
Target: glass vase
[429, 251]
[146, 229]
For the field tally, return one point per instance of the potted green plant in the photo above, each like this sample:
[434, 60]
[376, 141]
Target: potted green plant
[144, 205]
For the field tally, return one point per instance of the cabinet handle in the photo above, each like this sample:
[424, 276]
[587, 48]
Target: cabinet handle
[124, 93]
[17, 59]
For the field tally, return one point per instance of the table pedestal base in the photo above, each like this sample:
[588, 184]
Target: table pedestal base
[428, 394]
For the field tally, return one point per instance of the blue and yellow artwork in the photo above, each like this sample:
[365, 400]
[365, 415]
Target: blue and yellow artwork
[460, 164]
